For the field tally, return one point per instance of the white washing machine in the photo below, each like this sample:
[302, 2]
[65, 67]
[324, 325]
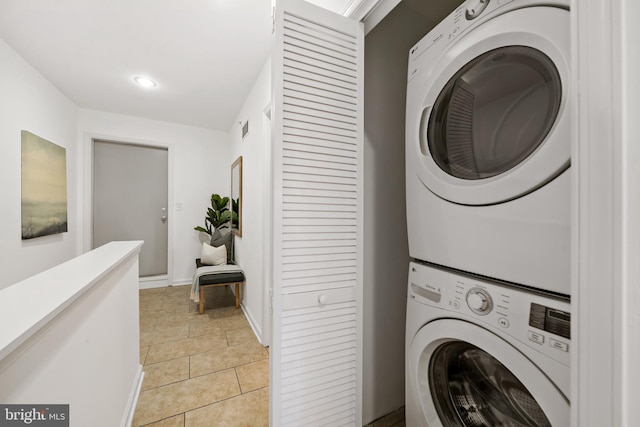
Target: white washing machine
[482, 354]
[488, 142]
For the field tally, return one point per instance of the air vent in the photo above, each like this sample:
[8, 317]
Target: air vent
[245, 129]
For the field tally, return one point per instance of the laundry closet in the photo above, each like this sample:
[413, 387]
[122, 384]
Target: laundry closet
[488, 216]
[378, 297]
[600, 280]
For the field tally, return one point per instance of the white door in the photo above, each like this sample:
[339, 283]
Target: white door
[490, 121]
[130, 192]
[461, 374]
[317, 124]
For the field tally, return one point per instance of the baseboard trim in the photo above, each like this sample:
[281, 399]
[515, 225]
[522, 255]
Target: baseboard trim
[153, 282]
[132, 402]
[257, 331]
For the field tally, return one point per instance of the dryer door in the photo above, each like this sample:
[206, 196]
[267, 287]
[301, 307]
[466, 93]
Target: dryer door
[494, 124]
[472, 377]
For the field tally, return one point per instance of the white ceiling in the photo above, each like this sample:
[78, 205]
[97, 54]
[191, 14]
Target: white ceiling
[204, 54]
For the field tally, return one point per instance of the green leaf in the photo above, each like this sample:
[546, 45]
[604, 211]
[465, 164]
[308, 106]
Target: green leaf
[218, 215]
[202, 230]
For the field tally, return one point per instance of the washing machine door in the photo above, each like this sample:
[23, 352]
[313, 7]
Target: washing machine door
[493, 124]
[464, 375]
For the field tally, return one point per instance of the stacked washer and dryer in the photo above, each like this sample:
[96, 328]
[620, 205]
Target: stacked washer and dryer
[488, 208]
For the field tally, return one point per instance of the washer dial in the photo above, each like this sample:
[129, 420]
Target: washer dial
[479, 301]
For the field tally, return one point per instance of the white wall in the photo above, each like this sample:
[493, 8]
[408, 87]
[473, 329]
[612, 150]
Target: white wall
[249, 248]
[201, 163]
[386, 255]
[29, 102]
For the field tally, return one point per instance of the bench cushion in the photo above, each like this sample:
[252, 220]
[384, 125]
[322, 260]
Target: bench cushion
[218, 278]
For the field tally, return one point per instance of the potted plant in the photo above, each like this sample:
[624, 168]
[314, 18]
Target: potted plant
[218, 215]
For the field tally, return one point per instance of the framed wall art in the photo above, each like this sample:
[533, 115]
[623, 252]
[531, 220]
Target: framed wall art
[44, 187]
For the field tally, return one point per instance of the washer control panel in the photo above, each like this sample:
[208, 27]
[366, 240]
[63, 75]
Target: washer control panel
[550, 320]
[537, 320]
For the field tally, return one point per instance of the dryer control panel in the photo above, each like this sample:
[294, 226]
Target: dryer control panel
[537, 320]
[463, 18]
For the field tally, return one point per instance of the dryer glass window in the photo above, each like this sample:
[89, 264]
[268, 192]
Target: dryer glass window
[494, 112]
[472, 388]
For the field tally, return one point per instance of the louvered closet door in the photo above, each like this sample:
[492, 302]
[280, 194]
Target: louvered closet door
[317, 253]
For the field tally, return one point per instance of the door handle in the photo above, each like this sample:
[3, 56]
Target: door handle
[163, 216]
[422, 129]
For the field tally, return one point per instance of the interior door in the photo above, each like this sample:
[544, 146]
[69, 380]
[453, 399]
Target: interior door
[130, 192]
[317, 125]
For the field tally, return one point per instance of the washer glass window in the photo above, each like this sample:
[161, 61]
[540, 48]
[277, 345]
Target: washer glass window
[494, 112]
[471, 388]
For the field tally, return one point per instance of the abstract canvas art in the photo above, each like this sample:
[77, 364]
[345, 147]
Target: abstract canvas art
[44, 187]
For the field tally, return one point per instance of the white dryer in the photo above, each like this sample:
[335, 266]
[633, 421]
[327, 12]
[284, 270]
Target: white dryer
[488, 142]
[482, 354]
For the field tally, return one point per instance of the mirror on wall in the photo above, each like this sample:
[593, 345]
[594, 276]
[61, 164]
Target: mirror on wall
[236, 197]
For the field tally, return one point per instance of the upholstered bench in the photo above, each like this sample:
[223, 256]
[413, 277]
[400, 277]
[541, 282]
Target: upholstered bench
[216, 275]
[218, 269]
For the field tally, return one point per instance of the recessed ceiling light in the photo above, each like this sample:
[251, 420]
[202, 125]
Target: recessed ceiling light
[145, 81]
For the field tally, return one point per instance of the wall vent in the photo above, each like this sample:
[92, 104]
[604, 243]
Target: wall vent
[245, 129]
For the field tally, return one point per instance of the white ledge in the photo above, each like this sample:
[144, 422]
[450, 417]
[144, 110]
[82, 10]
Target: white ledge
[27, 306]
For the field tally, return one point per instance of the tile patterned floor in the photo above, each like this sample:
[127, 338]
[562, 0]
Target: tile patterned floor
[200, 370]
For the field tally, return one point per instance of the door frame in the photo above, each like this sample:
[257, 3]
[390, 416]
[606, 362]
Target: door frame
[606, 210]
[87, 205]
[267, 238]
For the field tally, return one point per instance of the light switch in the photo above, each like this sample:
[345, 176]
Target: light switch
[178, 206]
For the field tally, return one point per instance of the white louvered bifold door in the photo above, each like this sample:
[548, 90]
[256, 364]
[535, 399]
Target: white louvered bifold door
[316, 359]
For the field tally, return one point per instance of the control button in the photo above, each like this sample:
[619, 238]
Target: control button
[563, 346]
[456, 304]
[536, 337]
[503, 322]
[479, 301]
[475, 8]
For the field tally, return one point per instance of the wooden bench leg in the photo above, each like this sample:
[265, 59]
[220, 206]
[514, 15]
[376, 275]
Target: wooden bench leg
[237, 296]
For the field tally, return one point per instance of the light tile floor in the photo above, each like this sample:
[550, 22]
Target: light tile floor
[200, 370]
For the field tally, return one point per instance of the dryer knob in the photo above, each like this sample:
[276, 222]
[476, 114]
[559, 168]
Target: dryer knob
[475, 8]
[479, 301]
